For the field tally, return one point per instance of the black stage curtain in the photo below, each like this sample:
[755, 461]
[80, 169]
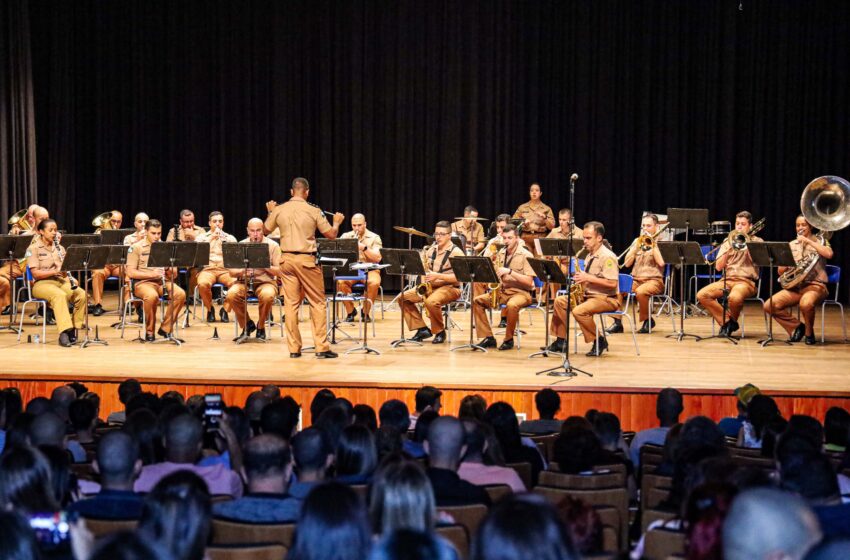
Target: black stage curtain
[408, 111]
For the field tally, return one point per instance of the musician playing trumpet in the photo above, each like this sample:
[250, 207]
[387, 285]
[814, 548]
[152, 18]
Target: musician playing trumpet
[647, 272]
[515, 284]
[810, 292]
[214, 272]
[369, 246]
[472, 231]
[440, 287]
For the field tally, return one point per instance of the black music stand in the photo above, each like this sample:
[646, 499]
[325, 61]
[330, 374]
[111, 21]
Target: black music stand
[336, 257]
[202, 259]
[13, 247]
[170, 255]
[549, 272]
[118, 255]
[69, 239]
[367, 267]
[247, 256]
[472, 270]
[115, 236]
[771, 254]
[688, 219]
[681, 254]
[82, 258]
[403, 262]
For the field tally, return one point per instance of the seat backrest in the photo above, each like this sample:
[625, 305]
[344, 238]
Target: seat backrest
[650, 515]
[625, 283]
[469, 516]
[653, 489]
[102, 527]
[663, 543]
[233, 532]
[582, 481]
[833, 274]
[498, 492]
[524, 472]
[548, 441]
[250, 552]
[456, 534]
[617, 498]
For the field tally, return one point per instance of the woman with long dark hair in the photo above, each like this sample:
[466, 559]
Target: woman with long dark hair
[502, 417]
[356, 455]
[332, 526]
[177, 515]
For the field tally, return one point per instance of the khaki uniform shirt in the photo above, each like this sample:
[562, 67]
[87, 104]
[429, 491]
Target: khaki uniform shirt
[602, 264]
[739, 264]
[818, 273]
[645, 266]
[262, 275]
[437, 260]
[556, 233]
[474, 235]
[44, 257]
[137, 259]
[525, 211]
[518, 262]
[134, 237]
[181, 233]
[216, 257]
[298, 221]
[370, 239]
[498, 239]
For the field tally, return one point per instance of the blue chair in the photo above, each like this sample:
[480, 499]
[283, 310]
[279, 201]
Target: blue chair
[833, 276]
[624, 287]
[38, 302]
[665, 298]
[712, 275]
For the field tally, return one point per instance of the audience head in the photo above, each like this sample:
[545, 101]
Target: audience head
[17, 539]
[143, 400]
[117, 460]
[388, 442]
[761, 410]
[407, 544]
[522, 527]
[806, 426]
[47, 429]
[583, 525]
[280, 417]
[323, 399]
[364, 415]
[836, 426]
[144, 427]
[38, 406]
[62, 485]
[332, 525]
[706, 509]
[333, 420]
[669, 406]
[475, 438]
[83, 415]
[812, 477]
[267, 460]
[764, 523]
[502, 417]
[129, 545]
[548, 403]
[25, 483]
[184, 437]
[18, 432]
[770, 435]
[445, 443]
[472, 406]
[606, 426]
[401, 497]
[743, 395]
[312, 454]
[420, 431]
[177, 515]
[13, 405]
[128, 389]
[61, 399]
[356, 454]
[428, 398]
[396, 414]
[271, 391]
[79, 388]
[576, 450]
[701, 431]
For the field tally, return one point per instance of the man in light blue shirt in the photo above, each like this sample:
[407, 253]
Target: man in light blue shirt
[668, 408]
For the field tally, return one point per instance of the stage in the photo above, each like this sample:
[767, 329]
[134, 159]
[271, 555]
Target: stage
[802, 378]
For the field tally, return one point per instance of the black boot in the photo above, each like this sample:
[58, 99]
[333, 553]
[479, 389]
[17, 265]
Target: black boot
[732, 326]
[798, 333]
[65, 338]
[223, 316]
[647, 325]
[558, 345]
[97, 310]
[7, 310]
[211, 315]
[489, 342]
[439, 338]
[810, 340]
[350, 317]
[422, 334]
[507, 345]
[616, 327]
[600, 345]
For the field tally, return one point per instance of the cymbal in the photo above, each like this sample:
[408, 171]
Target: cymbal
[410, 231]
[477, 218]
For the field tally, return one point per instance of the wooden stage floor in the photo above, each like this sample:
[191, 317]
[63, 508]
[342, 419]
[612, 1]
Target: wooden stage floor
[704, 367]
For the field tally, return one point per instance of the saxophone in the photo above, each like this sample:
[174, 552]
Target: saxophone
[577, 290]
[495, 287]
[425, 289]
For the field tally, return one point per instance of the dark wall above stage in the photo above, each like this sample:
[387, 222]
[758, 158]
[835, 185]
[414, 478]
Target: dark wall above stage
[408, 111]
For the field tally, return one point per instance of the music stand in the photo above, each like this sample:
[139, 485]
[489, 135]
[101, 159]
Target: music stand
[115, 236]
[118, 255]
[80, 239]
[687, 219]
[14, 247]
[247, 256]
[335, 255]
[403, 262]
[202, 259]
[170, 255]
[472, 270]
[366, 267]
[82, 258]
[681, 254]
[771, 254]
[547, 271]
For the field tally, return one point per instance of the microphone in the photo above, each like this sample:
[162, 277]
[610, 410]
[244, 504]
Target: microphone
[574, 177]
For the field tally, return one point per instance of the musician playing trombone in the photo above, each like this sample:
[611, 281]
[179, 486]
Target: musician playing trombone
[809, 292]
[647, 266]
[734, 258]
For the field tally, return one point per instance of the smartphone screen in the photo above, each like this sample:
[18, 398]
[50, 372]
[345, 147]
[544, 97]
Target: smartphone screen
[52, 530]
[212, 409]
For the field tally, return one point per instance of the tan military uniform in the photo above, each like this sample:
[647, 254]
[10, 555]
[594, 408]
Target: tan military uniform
[533, 230]
[215, 271]
[265, 287]
[57, 290]
[436, 260]
[191, 273]
[558, 234]
[7, 278]
[514, 299]
[809, 294]
[134, 237]
[373, 242]
[474, 235]
[298, 221]
[149, 291]
[741, 278]
[647, 280]
[602, 264]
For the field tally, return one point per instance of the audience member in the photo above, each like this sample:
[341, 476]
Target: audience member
[364, 415]
[271, 391]
[176, 515]
[144, 426]
[578, 450]
[760, 411]
[280, 417]
[548, 404]
[17, 539]
[396, 414]
[706, 509]
[473, 468]
[731, 426]
[668, 452]
[146, 400]
[127, 389]
[117, 465]
[668, 408]
[83, 417]
[129, 545]
[356, 456]
[333, 525]
[332, 422]
[38, 406]
[416, 445]
[313, 457]
[607, 428]
[774, 428]
[323, 399]
[836, 429]
[60, 401]
[254, 405]
[472, 406]
[388, 441]
[409, 544]
[502, 417]
[427, 398]
[445, 446]
[65, 488]
[49, 429]
[25, 481]
[583, 525]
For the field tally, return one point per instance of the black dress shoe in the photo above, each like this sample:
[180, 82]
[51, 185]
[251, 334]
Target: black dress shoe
[222, 314]
[261, 334]
[97, 310]
[616, 327]
[503, 324]
[798, 333]
[507, 345]
[65, 339]
[558, 345]
[211, 315]
[326, 355]
[732, 326]
[163, 334]
[250, 327]
[149, 337]
[647, 325]
[599, 346]
[810, 340]
[51, 318]
[439, 338]
[295, 354]
[489, 342]
[422, 334]
[351, 317]
[7, 310]
[365, 318]
[139, 314]
[724, 329]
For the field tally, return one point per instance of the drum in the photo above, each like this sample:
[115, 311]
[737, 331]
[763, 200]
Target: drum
[720, 228]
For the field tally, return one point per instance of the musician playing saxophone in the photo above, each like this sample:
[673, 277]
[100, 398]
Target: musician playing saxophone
[647, 272]
[810, 292]
[599, 281]
[444, 287]
[515, 284]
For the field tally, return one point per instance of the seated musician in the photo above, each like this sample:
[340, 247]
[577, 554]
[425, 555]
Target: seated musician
[44, 258]
[472, 230]
[9, 271]
[809, 293]
[516, 282]
[565, 216]
[741, 278]
[647, 274]
[537, 217]
[369, 244]
[187, 231]
[98, 277]
[139, 223]
[444, 287]
[151, 283]
[599, 281]
[263, 280]
[491, 249]
[214, 271]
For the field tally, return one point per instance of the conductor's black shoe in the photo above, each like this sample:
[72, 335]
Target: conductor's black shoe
[351, 316]
[97, 310]
[163, 334]
[251, 326]
[616, 327]
[7, 310]
[558, 345]
[647, 325]
[65, 339]
[422, 334]
[489, 342]
[326, 355]
[222, 314]
[810, 340]
[149, 337]
[798, 333]
[439, 338]
[295, 354]
[211, 315]
[599, 346]
[507, 345]
[503, 324]
[261, 334]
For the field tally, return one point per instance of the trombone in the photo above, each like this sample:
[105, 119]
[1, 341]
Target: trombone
[738, 240]
[645, 241]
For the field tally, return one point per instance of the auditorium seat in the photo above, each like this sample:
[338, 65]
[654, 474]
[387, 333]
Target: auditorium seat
[498, 492]
[233, 532]
[469, 516]
[241, 552]
[650, 515]
[524, 472]
[583, 481]
[457, 535]
[661, 544]
[102, 527]
[617, 498]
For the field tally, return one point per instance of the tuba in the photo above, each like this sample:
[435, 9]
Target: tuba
[101, 221]
[824, 205]
[19, 220]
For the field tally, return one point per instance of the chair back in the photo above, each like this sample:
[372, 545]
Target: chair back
[617, 498]
[102, 527]
[833, 276]
[249, 552]
[524, 472]
[458, 537]
[582, 481]
[234, 532]
[498, 492]
[469, 516]
[651, 515]
[661, 543]
[625, 283]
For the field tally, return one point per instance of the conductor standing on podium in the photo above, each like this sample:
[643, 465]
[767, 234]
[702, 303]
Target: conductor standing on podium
[298, 221]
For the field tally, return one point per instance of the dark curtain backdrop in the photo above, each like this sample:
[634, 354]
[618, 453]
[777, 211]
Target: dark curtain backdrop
[408, 111]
